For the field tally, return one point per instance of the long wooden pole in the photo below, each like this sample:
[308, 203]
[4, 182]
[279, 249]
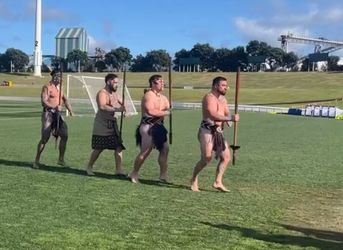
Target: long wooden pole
[170, 103]
[123, 102]
[59, 104]
[235, 146]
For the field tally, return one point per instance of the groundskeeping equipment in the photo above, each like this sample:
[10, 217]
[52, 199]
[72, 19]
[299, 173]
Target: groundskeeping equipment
[82, 90]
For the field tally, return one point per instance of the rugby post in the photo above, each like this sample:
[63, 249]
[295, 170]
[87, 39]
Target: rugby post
[170, 102]
[235, 146]
[123, 102]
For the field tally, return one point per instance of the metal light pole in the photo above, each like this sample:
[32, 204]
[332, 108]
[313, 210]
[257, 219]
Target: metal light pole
[38, 35]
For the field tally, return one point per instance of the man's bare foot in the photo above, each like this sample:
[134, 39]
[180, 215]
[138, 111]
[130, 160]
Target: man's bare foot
[35, 165]
[61, 163]
[133, 178]
[119, 172]
[220, 187]
[163, 178]
[165, 181]
[194, 186]
[89, 171]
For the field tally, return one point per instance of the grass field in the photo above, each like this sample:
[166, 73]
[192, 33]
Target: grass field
[286, 188]
[257, 88]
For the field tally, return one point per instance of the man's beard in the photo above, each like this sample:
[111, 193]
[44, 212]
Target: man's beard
[56, 78]
[113, 89]
[222, 92]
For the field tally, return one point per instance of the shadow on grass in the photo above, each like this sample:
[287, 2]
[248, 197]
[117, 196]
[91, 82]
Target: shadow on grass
[60, 169]
[69, 170]
[162, 184]
[313, 238]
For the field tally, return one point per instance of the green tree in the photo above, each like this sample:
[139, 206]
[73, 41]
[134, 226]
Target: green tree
[229, 60]
[118, 58]
[276, 57]
[100, 65]
[154, 61]
[204, 52]
[58, 62]
[290, 60]
[3, 62]
[111, 59]
[257, 48]
[15, 58]
[140, 64]
[78, 58]
[158, 59]
[333, 63]
[178, 55]
[123, 57]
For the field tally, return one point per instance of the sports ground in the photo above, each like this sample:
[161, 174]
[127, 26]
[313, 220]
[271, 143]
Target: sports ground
[286, 186]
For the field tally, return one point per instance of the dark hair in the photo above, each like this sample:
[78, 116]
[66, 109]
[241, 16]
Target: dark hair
[217, 80]
[54, 72]
[153, 78]
[110, 77]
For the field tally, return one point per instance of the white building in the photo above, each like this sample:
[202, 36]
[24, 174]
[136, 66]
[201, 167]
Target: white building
[68, 39]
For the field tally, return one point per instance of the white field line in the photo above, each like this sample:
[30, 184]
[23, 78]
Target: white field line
[176, 105]
[16, 118]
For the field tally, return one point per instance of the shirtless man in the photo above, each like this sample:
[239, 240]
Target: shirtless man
[52, 108]
[215, 113]
[106, 134]
[151, 132]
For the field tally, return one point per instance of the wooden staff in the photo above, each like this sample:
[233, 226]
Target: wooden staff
[235, 147]
[123, 103]
[58, 115]
[170, 103]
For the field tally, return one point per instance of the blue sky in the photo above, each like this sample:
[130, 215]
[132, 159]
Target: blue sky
[144, 25]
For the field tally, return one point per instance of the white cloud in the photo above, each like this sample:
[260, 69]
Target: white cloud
[105, 45]
[255, 30]
[315, 21]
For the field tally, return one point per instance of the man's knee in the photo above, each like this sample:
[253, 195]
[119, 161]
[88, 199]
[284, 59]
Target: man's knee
[165, 149]
[64, 137]
[144, 154]
[206, 158]
[44, 138]
[225, 158]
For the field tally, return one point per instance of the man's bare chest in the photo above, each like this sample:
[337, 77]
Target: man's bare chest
[53, 92]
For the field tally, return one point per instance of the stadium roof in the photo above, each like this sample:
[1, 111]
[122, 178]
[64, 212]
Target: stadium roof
[69, 33]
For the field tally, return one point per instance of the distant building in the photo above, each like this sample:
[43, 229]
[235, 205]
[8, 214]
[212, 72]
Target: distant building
[189, 64]
[68, 39]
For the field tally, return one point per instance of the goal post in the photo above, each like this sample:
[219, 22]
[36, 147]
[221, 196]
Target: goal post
[81, 93]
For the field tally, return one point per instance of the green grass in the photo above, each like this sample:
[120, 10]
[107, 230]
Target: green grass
[261, 87]
[286, 188]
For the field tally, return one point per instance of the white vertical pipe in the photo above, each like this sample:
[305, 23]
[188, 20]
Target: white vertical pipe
[38, 35]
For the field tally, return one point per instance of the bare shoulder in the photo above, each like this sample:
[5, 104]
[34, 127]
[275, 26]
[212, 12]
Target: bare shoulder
[102, 93]
[222, 99]
[209, 97]
[149, 95]
[45, 87]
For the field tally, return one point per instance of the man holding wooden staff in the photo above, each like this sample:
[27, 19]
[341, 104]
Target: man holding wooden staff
[106, 134]
[52, 98]
[215, 114]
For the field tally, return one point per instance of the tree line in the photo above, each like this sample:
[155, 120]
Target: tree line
[254, 56]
